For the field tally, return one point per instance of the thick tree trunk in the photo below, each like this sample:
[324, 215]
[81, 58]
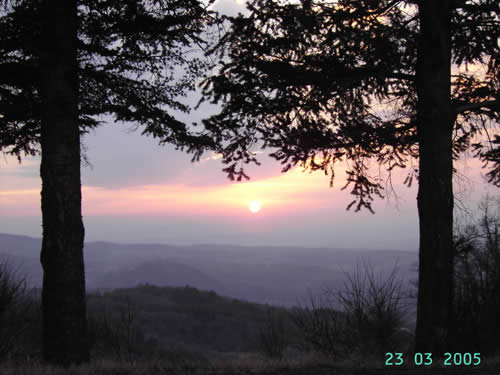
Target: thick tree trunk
[435, 193]
[63, 297]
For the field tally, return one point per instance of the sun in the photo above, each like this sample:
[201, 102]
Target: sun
[254, 206]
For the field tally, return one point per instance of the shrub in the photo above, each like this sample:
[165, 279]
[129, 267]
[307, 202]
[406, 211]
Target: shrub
[369, 323]
[115, 334]
[273, 337]
[321, 327]
[476, 299]
[19, 316]
[374, 310]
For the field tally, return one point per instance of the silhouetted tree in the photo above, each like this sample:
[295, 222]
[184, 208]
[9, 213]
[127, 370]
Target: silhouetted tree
[64, 327]
[63, 64]
[356, 81]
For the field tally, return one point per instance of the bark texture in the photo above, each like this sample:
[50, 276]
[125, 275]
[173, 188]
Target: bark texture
[63, 297]
[435, 193]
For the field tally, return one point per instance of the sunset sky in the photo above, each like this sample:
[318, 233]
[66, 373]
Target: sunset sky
[137, 191]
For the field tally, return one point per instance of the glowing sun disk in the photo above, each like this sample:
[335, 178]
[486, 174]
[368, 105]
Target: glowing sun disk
[254, 206]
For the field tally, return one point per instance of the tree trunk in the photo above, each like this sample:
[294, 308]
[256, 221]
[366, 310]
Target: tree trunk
[64, 328]
[435, 193]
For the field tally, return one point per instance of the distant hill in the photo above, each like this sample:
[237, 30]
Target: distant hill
[274, 275]
[160, 272]
[22, 246]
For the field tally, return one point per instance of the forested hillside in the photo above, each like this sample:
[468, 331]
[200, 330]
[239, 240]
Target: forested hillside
[181, 319]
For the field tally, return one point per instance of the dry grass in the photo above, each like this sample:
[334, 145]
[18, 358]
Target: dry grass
[245, 364]
[101, 367]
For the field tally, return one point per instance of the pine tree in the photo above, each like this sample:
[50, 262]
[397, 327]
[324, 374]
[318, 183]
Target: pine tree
[62, 65]
[64, 327]
[407, 84]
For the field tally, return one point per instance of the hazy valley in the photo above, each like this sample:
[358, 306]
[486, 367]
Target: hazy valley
[274, 275]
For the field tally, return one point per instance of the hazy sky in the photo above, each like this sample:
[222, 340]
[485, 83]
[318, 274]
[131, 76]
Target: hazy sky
[137, 191]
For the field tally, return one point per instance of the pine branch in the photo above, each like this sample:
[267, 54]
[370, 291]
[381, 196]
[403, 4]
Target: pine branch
[491, 104]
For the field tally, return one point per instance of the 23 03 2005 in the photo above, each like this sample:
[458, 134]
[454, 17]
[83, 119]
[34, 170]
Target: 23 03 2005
[426, 359]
